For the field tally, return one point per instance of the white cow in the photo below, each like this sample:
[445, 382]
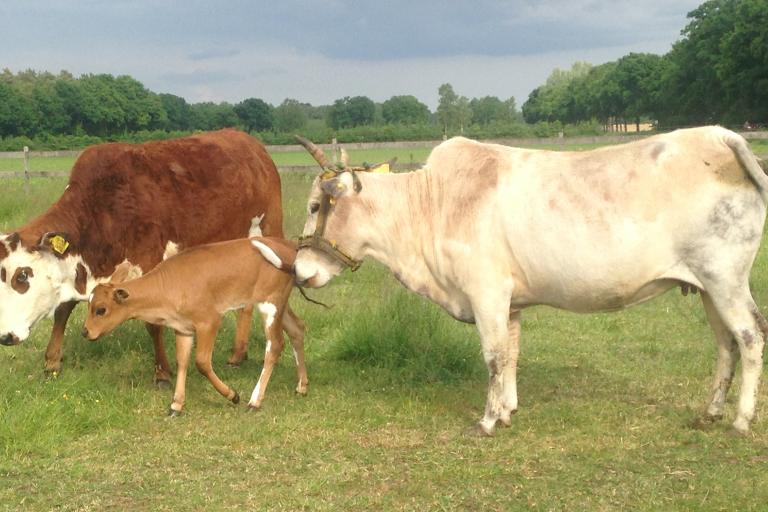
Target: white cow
[485, 230]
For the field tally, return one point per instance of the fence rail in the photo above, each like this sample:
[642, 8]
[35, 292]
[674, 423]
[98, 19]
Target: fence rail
[551, 141]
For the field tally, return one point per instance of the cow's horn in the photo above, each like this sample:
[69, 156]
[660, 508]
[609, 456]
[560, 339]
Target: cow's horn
[344, 158]
[315, 151]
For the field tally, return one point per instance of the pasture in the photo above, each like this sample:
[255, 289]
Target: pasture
[395, 385]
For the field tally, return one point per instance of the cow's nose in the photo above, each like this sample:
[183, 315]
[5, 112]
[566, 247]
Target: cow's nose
[84, 332]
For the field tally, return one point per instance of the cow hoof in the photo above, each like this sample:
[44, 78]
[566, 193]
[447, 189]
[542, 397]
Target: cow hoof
[478, 430]
[173, 413]
[253, 408]
[236, 399]
[162, 385]
[301, 391]
[740, 428]
[705, 421]
[52, 374]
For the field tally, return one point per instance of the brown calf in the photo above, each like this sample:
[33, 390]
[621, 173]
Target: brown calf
[190, 292]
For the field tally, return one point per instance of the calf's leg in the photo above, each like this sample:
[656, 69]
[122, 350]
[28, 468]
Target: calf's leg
[183, 350]
[162, 377]
[242, 332]
[273, 333]
[294, 327]
[206, 336]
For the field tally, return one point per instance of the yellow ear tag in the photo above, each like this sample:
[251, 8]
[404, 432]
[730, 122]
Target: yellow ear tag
[59, 244]
[383, 168]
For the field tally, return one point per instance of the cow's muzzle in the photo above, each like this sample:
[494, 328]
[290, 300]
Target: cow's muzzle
[9, 340]
[86, 334]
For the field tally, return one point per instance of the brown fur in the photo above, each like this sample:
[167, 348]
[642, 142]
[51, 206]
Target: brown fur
[21, 286]
[191, 291]
[127, 201]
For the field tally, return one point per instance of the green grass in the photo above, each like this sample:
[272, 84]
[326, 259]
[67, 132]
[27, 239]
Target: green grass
[605, 402]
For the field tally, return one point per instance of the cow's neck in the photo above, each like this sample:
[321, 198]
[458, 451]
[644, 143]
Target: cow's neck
[400, 234]
[63, 216]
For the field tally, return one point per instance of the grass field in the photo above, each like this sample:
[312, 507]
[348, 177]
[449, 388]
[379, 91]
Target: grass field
[287, 158]
[395, 384]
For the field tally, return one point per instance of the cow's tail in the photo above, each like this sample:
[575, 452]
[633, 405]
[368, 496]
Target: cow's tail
[748, 161]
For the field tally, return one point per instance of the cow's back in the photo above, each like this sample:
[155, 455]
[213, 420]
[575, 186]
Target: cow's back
[188, 191]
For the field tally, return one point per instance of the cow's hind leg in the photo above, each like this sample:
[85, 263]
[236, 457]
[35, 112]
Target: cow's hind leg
[162, 376]
[727, 357]
[500, 338]
[242, 332]
[741, 317]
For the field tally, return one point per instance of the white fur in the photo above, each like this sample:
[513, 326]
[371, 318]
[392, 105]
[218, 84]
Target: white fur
[268, 253]
[268, 312]
[255, 229]
[171, 249]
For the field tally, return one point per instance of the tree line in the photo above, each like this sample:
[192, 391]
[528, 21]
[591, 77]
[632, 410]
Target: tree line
[716, 73]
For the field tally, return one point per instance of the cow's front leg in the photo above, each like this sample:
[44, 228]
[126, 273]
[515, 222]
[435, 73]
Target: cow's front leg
[55, 344]
[500, 337]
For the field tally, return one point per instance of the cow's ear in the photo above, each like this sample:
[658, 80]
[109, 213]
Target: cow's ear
[12, 240]
[56, 242]
[334, 187]
[120, 295]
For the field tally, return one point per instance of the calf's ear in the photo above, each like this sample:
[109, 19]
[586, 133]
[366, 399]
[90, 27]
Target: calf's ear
[120, 295]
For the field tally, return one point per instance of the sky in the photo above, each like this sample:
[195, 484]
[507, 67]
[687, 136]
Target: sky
[319, 51]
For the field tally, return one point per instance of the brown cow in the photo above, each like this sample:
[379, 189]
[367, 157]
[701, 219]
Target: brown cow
[129, 203]
[191, 292]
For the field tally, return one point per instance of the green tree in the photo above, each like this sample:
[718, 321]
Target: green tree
[463, 112]
[404, 110]
[695, 92]
[490, 109]
[549, 102]
[178, 112]
[350, 112]
[447, 107]
[290, 116]
[13, 111]
[213, 116]
[255, 114]
[743, 64]
[101, 106]
[142, 109]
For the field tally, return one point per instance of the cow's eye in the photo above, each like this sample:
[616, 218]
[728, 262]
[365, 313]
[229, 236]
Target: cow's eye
[22, 277]
[100, 311]
[314, 207]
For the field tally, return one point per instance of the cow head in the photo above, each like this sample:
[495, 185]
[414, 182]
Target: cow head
[330, 241]
[33, 282]
[108, 307]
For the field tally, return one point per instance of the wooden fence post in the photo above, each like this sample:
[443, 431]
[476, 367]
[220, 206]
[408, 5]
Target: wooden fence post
[26, 169]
